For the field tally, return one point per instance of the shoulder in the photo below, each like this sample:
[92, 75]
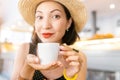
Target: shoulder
[24, 47]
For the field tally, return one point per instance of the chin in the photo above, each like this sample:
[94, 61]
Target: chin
[47, 41]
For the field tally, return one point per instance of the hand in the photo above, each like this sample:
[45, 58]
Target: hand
[73, 60]
[34, 62]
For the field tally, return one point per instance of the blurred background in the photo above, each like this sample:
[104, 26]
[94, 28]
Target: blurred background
[100, 38]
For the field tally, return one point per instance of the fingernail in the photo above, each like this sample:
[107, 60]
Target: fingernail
[64, 44]
[36, 60]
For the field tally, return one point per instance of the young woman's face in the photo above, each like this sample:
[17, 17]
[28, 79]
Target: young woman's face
[51, 22]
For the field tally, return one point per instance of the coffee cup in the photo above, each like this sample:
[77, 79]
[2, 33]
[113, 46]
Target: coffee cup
[48, 52]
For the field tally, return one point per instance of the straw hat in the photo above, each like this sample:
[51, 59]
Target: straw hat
[77, 10]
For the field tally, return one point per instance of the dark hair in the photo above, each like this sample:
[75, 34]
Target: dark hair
[70, 36]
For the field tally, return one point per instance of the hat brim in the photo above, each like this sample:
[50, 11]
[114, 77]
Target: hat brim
[77, 10]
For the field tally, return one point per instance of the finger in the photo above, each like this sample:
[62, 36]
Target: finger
[74, 63]
[53, 65]
[65, 48]
[46, 67]
[68, 53]
[75, 50]
[41, 67]
[73, 58]
[32, 59]
[76, 66]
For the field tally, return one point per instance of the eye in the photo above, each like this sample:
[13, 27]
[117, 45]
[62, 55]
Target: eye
[39, 17]
[56, 16]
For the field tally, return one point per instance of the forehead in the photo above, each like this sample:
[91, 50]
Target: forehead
[49, 5]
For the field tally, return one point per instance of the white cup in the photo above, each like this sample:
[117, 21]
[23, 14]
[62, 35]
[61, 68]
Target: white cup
[48, 52]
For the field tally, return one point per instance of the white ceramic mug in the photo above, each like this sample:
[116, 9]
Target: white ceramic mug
[48, 52]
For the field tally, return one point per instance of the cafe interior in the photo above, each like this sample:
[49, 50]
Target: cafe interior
[99, 39]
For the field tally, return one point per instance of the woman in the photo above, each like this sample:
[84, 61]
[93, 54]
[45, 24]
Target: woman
[53, 21]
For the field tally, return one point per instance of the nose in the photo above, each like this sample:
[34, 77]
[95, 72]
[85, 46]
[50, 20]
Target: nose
[46, 23]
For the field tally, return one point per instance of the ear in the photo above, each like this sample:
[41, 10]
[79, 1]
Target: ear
[69, 23]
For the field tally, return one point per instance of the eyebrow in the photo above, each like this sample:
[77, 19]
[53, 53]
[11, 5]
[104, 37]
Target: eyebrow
[50, 11]
[55, 10]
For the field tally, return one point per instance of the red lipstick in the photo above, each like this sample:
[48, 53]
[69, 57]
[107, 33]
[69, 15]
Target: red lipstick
[47, 35]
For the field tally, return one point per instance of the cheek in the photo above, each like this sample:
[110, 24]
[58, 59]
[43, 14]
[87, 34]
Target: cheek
[59, 35]
[60, 29]
[60, 26]
[37, 27]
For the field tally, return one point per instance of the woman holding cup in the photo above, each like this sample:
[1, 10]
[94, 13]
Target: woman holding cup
[54, 21]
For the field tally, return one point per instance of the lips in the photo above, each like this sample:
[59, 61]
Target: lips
[47, 35]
